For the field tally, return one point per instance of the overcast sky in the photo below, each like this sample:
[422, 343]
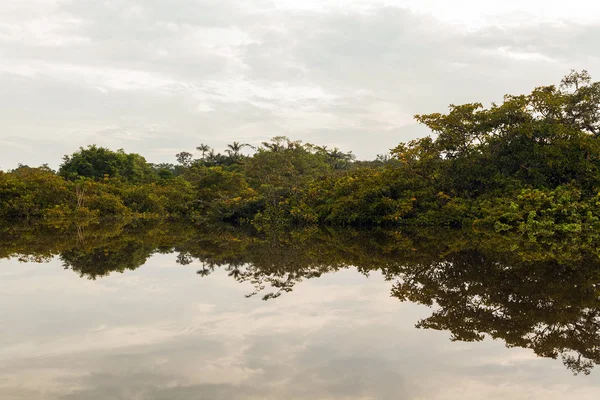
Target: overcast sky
[161, 76]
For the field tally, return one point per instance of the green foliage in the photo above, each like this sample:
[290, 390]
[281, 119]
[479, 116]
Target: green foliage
[99, 162]
[545, 139]
[29, 192]
[531, 163]
[363, 196]
[542, 212]
[220, 194]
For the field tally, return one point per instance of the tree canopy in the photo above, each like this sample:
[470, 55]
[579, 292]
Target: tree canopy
[531, 162]
[99, 162]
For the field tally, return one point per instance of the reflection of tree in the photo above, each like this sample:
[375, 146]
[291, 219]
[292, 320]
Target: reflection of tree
[551, 308]
[277, 262]
[537, 293]
[184, 259]
[100, 262]
[92, 251]
[540, 293]
[205, 270]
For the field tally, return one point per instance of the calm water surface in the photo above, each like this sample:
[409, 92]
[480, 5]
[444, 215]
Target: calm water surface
[168, 313]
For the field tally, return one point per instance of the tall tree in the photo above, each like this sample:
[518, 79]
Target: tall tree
[203, 148]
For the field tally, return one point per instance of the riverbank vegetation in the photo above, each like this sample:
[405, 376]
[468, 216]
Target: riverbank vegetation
[530, 163]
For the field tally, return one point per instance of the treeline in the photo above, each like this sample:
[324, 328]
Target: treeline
[530, 163]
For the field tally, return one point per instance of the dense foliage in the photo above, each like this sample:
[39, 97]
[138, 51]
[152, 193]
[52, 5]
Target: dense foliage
[531, 163]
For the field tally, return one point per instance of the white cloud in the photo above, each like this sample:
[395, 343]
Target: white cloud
[44, 31]
[102, 78]
[349, 73]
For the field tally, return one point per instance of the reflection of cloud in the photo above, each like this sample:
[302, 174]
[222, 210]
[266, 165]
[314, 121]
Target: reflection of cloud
[340, 336]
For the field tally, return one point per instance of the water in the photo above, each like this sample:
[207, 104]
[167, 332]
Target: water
[157, 311]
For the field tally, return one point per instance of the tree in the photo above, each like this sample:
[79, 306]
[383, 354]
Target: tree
[339, 159]
[280, 143]
[204, 148]
[30, 192]
[544, 139]
[234, 149]
[99, 162]
[184, 158]
[165, 170]
[582, 101]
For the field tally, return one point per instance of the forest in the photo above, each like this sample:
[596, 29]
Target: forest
[529, 164]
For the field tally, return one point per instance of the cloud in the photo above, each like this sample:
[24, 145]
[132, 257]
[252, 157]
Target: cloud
[344, 73]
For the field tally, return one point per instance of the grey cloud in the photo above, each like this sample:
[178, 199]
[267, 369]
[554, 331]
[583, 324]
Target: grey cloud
[190, 71]
[406, 59]
[565, 42]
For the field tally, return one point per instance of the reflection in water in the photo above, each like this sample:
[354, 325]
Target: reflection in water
[536, 292]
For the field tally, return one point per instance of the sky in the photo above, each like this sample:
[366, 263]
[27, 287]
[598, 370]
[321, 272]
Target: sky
[157, 77]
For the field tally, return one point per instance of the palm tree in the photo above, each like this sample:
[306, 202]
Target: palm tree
[235, 148]
[272, 146]
[339, 158]
[277, 143]
[204, 148]
[336, 154]
[211, 156]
